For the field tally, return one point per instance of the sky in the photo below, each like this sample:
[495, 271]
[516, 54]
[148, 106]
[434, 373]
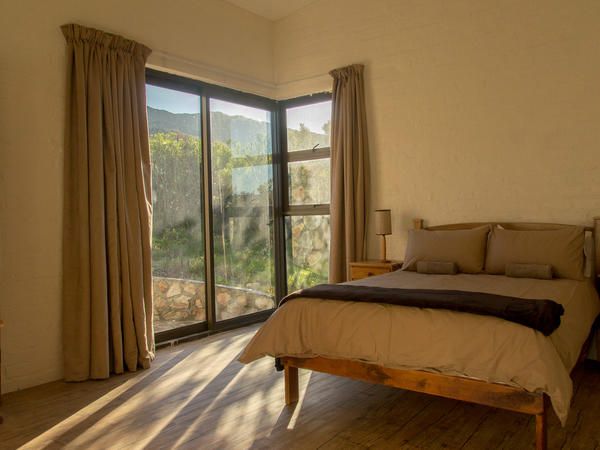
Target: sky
[312, 116]
[172, 101]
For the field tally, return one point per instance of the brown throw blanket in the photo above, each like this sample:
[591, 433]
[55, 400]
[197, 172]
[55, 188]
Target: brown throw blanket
[542, 315]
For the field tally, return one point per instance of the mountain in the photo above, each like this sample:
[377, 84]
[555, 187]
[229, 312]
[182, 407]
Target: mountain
[224, 128]
[160, 120]
[230, 129]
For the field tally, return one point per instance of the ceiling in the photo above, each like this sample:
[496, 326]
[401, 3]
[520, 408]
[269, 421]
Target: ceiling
[271, 9]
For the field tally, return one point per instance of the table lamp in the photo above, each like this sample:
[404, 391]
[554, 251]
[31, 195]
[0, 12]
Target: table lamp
[383, 227]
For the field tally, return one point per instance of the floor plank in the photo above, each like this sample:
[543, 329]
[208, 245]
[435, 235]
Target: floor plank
[196, 395]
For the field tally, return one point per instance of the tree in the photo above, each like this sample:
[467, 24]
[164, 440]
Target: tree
[242, 202]
[177, 214]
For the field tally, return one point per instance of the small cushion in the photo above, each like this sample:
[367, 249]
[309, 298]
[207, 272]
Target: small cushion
[561, 248]
[437, 267]
[540, 271]
[466, 248]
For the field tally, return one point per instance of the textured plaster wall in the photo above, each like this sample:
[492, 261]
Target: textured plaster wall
[477, 109]
[32, 93]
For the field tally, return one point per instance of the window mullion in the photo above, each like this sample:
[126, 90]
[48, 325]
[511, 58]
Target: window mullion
[208, 221]
[307, 210]
[280, 201]
[308, 155]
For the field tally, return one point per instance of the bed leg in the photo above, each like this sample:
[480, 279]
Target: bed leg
[291, 384]
[541, 428]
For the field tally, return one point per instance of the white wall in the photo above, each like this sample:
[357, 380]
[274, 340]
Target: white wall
[477, 109]
[208, 38]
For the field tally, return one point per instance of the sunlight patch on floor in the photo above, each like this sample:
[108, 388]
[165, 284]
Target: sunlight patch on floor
[93, 408]
[233, 383]
[121, 412]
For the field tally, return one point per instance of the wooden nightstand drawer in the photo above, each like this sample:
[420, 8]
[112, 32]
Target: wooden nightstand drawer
[356, 273]
[364, 269]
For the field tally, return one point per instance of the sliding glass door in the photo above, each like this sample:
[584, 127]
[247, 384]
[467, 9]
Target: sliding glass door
[178, 247]
[242, 208]
[217, 236]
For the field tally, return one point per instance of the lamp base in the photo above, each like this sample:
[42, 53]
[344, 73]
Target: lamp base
[383, 253]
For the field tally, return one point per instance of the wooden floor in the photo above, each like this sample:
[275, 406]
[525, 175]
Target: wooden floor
[197, 396]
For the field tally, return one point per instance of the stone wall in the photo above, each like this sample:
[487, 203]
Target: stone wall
[180, 302]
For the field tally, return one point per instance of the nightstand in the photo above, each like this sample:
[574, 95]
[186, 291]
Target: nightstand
[364, 269]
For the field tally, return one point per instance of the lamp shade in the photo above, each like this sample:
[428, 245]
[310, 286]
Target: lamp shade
[383, 221]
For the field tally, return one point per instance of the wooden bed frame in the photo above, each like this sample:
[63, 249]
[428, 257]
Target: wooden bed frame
[453, 387]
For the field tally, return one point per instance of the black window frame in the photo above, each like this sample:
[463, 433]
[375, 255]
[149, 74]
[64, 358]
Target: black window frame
[300, 155]
[287, 157]
[207, 91]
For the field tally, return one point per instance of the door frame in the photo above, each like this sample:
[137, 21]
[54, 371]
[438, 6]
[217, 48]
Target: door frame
[207, 91]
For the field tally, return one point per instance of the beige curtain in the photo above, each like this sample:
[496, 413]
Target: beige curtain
[349, 171]
[107, 285]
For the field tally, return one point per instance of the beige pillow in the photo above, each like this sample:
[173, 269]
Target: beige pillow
[561, 248]
[539, 271]
[466, 248]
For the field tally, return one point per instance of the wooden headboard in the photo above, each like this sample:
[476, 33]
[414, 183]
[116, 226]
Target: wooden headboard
[594, 230]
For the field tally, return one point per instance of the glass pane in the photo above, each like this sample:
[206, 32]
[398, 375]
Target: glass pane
[307, 251]
[308, 126]
[309, 182]
[177, 234]
[242, 183]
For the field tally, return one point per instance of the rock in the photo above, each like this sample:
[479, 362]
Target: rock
[199, 303]
[318, 244]
[297, 230]
[235, 309]
[313, 258]
[241, 300]
[180, 302]
[190, 288]
[174, 290]
[200, 315]
[159, 301]
[163, 285]
[223, 298]
[175, 315]
[263, 303]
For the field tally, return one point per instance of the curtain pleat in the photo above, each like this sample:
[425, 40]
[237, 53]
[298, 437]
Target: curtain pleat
[107, 289]
[349, 171]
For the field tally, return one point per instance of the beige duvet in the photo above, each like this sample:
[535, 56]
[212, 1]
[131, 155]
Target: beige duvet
[454, 343]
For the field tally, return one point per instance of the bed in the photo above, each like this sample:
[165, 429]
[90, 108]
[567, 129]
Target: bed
[469, 357]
